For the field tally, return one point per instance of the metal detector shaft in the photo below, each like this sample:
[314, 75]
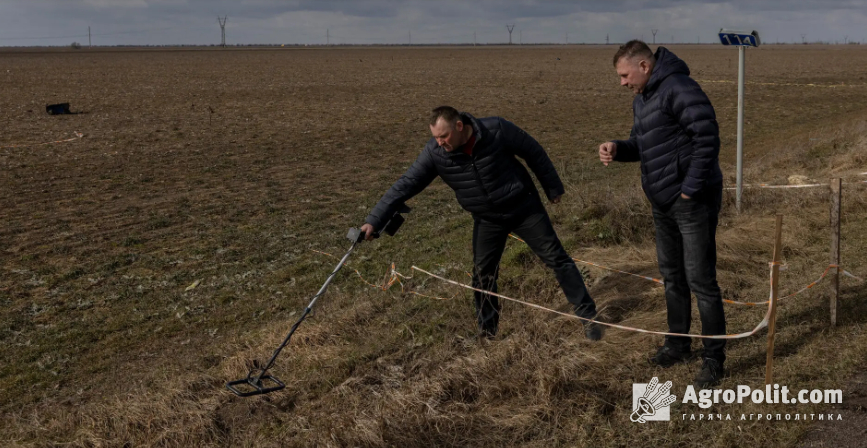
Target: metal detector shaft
[331, 277]
[306, 312]
[257, 382]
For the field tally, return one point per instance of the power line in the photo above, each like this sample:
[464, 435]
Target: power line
[47, 37]
[86, 34]
[133, 32]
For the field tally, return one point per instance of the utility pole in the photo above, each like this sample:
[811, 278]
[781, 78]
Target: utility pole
[510, 27]
[474, 38]
[222, 22]
[89, 44]
[410, 37]
[803, 38]
[606, 39]
[845, 38]
[654, 36]
[521, 36]
[567, 38]
[327, 37]
[740, 39]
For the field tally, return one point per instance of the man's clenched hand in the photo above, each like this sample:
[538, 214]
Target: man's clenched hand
[607, 152]
[368, 231]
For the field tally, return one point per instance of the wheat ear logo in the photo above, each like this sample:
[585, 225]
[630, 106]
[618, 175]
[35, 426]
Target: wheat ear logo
[650, 401]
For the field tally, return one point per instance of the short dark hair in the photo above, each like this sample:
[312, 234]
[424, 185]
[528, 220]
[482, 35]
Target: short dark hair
[632, 49]
[447, 113]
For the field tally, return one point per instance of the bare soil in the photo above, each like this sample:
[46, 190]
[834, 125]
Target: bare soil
[226, 167]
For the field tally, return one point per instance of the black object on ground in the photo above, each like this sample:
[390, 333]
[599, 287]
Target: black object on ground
[58, 109]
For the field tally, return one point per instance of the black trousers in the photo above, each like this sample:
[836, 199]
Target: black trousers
[534, 227]
[686, 249]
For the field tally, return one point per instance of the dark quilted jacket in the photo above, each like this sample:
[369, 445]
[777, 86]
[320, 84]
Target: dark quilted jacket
[674, 134]
[490, 184]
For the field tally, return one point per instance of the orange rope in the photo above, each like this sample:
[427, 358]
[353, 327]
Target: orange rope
[755, 330]
[392, 277]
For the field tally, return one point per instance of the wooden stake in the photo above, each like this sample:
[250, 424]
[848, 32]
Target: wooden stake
[775, 292]
[836, 189]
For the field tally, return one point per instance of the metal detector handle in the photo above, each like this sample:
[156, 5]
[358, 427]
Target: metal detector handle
[391, 226]
[357, 235]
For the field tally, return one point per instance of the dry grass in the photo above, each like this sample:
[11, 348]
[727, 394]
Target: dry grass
[103, 347]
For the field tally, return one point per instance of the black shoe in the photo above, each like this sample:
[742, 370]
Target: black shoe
[710, 375]
[487, 333]
[592, 331]
[667, 357]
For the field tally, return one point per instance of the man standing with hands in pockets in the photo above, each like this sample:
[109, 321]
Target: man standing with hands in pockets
[675, 137]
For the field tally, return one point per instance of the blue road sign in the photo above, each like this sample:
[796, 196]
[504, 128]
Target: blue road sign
[739, 38]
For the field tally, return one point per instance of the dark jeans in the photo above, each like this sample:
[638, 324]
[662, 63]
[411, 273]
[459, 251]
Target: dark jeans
[534, 227]
[686, 248]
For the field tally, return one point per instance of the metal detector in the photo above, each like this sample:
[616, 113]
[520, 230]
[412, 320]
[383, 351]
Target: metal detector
[257, 382]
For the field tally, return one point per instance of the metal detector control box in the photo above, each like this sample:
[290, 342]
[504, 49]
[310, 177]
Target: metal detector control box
[393, 224]
[739, 38]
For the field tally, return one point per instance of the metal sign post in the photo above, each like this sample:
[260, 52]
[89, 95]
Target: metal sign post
[740, 39]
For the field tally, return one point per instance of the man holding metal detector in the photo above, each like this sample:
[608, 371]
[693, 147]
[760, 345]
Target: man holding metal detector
[675, 137]
[477, 159]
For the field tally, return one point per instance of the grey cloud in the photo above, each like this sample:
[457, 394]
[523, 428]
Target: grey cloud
[390, 21]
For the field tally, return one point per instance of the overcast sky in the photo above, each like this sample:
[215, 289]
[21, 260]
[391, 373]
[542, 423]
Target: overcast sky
[165, 22]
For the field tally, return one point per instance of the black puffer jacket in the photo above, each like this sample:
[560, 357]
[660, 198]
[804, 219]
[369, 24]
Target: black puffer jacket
[675, 134]
[490, 184]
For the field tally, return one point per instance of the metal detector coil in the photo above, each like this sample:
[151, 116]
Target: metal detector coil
[257, 381]
[249, 386]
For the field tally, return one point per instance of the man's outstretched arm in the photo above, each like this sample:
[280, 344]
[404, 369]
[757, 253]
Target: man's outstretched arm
[419, 175]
